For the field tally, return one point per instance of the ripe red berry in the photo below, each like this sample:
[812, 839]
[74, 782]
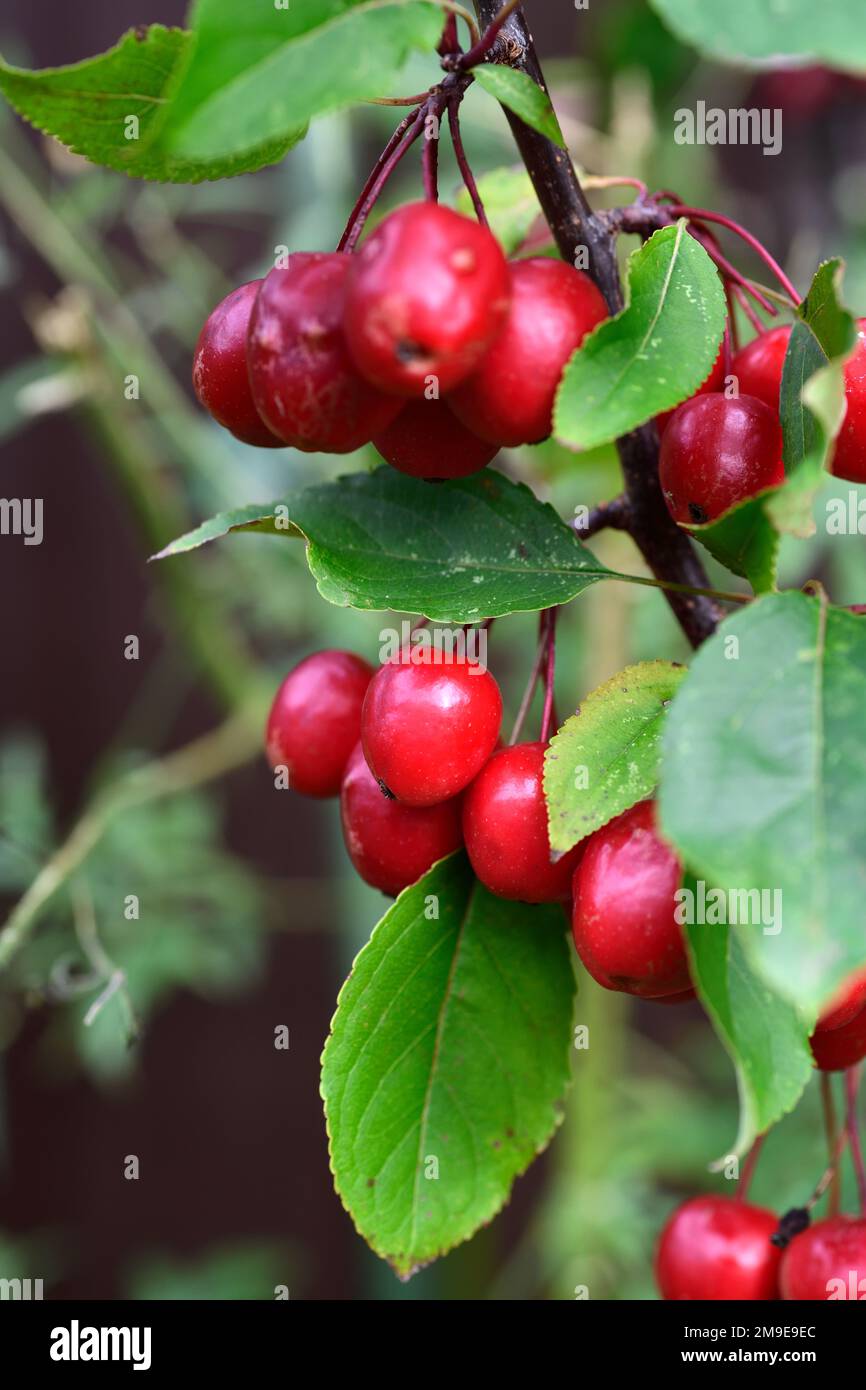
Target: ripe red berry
[429, 725]
[714, 382]
[428, 441]
[219, 369]
[392, 845]
[304, 382]
[758, 366]
[718, 1248]
[623, 923]
[827, 1262]
[505, 829]
[315, 720]
[426, 297]
[509, 400]
[845, 1005]
[849, 455]
[717, 452]
[836, 1049]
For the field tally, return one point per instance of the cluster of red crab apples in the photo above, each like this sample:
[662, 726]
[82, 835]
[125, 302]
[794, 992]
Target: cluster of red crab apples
[431, 345]
[413, 750]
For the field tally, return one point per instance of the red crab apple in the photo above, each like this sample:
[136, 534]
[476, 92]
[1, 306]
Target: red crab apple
[758, 366]
[219, 369]
[624, 925]
[718, 1248]
[315, 720]
[392, 845]
[304, 383]
[715, 453]
[426, 297]
[849, 451]
[714, 382]
[428, 441]
[827, 1262]
[429, 725]
[505, 829]
[509, 399]
[836, 1049]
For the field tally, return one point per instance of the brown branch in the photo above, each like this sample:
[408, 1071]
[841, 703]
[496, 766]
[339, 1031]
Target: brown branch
[666, 549]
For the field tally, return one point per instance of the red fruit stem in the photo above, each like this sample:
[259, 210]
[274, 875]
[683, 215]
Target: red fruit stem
[830, 1171]
[702, 214]
[547, 714]
[732, 318]
[534, 676]
[830, 1129]
[405, 135]
[749, 1167]
[743, 301]
[479, 51]
[462, 161]
[730, 272]
[852, 1083]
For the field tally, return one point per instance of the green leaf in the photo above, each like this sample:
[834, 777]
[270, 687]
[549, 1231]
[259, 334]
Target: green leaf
[764, 1036]
[520, 94]
[605, 758]
[745, 541]
[763, 786]
[474, 548]
[446, 1063]
[762, 30]
[812, 402]
[510, 202]
[258, 73]
[655, 353]
[87, 107]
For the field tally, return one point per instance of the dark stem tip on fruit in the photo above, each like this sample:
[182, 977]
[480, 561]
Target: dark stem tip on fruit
[791, 1224]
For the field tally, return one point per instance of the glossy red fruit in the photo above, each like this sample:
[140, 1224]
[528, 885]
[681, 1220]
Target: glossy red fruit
[509, 400]
[315, 720]
[827, 1262]
[845, 1005]
[714, 382]
[428, 441]
[505, 829]
[717, 452]
[758, 366]
[836, 1049]
[392, 845]
[718, 1248]
[426, 297]
[219, 369]
[304, 383]
[623, 922]
[429, 725]
[849, 454]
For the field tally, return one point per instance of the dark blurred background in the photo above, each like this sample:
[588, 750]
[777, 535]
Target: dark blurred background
[248, 917]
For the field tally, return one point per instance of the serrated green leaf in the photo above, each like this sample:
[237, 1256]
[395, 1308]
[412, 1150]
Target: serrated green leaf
[605, 758]
[763, 785]
[447, 1059]
[520, 94]
[87, 106]
[258, 73]
[456, 552]
[762, 1033]
[812, 404]
[745, 542]
[652, 355]
[510, 202]
[764, 30]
